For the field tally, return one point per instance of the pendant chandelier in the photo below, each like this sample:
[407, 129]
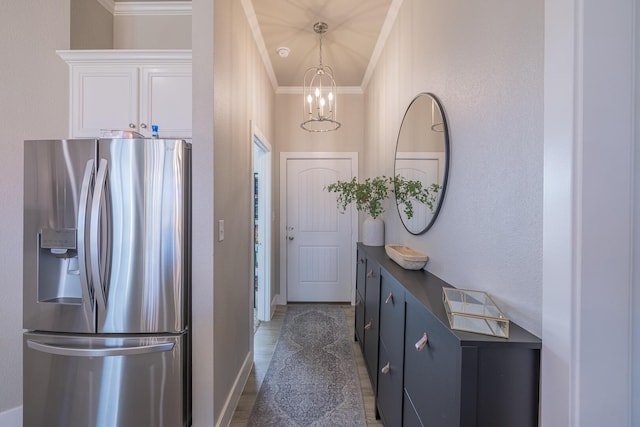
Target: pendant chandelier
[319, 94]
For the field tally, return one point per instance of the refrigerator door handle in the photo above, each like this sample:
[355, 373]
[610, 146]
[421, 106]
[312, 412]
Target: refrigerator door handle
[87, 290]
[95, 237]
[99, 352]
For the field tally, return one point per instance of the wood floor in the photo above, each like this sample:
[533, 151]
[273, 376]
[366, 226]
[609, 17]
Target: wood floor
[264, 344]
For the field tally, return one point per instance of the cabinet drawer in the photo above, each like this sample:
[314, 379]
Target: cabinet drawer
[392, 315]
[371, 320]
[409, 415]
[361, 273]
[359, 326]
[389, 395]
[432, 373]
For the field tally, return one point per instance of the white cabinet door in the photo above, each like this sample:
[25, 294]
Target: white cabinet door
[131, 97]
[165, 100]
[103, 97]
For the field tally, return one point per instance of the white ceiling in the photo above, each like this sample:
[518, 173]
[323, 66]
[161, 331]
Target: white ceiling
[357, 30]
[348, 46]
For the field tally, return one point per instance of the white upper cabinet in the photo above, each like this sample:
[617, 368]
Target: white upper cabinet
[130, 90]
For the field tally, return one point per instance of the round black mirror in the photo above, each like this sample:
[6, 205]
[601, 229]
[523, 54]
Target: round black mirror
[422, 160]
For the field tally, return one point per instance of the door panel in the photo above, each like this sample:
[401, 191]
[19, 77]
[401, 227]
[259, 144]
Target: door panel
[148, 205]
[319, 245]
[438, 362]
[57, 178]
[116, 88]
[372, 320]
[104, 381]
[165, 100]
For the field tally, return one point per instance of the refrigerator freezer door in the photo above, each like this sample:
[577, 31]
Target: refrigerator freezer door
[58, 181]
[98, 381]
[142, 248]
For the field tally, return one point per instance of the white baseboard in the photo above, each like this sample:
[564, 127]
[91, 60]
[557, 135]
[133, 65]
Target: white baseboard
[234, 396]
[11, 418]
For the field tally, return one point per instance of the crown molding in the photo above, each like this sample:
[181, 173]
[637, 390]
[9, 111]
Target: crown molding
[126, 56]
[298, 90]
[387, 26]
[153, 8]
[257, 36]
[147, 7]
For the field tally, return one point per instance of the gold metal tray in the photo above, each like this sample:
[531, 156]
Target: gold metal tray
[474, 311]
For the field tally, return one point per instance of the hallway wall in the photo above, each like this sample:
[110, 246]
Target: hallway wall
[33, 105]
[484, 60]
[242, 92]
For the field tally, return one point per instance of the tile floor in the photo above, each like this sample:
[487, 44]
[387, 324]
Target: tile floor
[264, 343]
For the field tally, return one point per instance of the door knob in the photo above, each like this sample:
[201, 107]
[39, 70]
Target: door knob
[143, 126]
[386, 368]
[132, 126]
[368, 326]
[290, 237]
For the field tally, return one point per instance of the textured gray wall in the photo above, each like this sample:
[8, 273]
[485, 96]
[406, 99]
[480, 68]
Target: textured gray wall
[33, 105]
[91, 25]
[484, 60]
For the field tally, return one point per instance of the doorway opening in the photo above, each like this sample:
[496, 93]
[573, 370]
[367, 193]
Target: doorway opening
[262, 307]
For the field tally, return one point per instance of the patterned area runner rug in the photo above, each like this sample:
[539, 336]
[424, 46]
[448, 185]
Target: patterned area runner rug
[312, 379]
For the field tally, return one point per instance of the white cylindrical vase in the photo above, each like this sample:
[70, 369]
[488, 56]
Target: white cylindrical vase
[373, 232]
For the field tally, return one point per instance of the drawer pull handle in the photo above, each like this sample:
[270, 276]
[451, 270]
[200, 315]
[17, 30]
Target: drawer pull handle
[389, 299]
[386, 368]
[370, 274]
[422, 342]
[368, 326]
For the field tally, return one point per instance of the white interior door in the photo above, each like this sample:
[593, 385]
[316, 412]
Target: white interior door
[318, 238]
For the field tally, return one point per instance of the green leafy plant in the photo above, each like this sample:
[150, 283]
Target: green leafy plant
[407, 190]
[369, 195]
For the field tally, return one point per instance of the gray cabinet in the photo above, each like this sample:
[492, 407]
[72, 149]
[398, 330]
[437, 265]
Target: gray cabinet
[361, 275]
[371, 319]
[391, 350]
[430, 375]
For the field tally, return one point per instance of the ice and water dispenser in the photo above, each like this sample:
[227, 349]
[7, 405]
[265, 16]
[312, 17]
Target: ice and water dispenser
[58, 268]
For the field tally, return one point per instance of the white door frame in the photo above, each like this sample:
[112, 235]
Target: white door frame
[284, 156]
[263, 301]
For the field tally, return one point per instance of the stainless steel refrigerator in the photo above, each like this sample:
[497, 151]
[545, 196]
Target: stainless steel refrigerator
[107, 237]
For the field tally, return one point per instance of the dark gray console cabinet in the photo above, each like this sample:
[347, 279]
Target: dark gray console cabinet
[455, 379]
[371, 319]
[361, 274]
